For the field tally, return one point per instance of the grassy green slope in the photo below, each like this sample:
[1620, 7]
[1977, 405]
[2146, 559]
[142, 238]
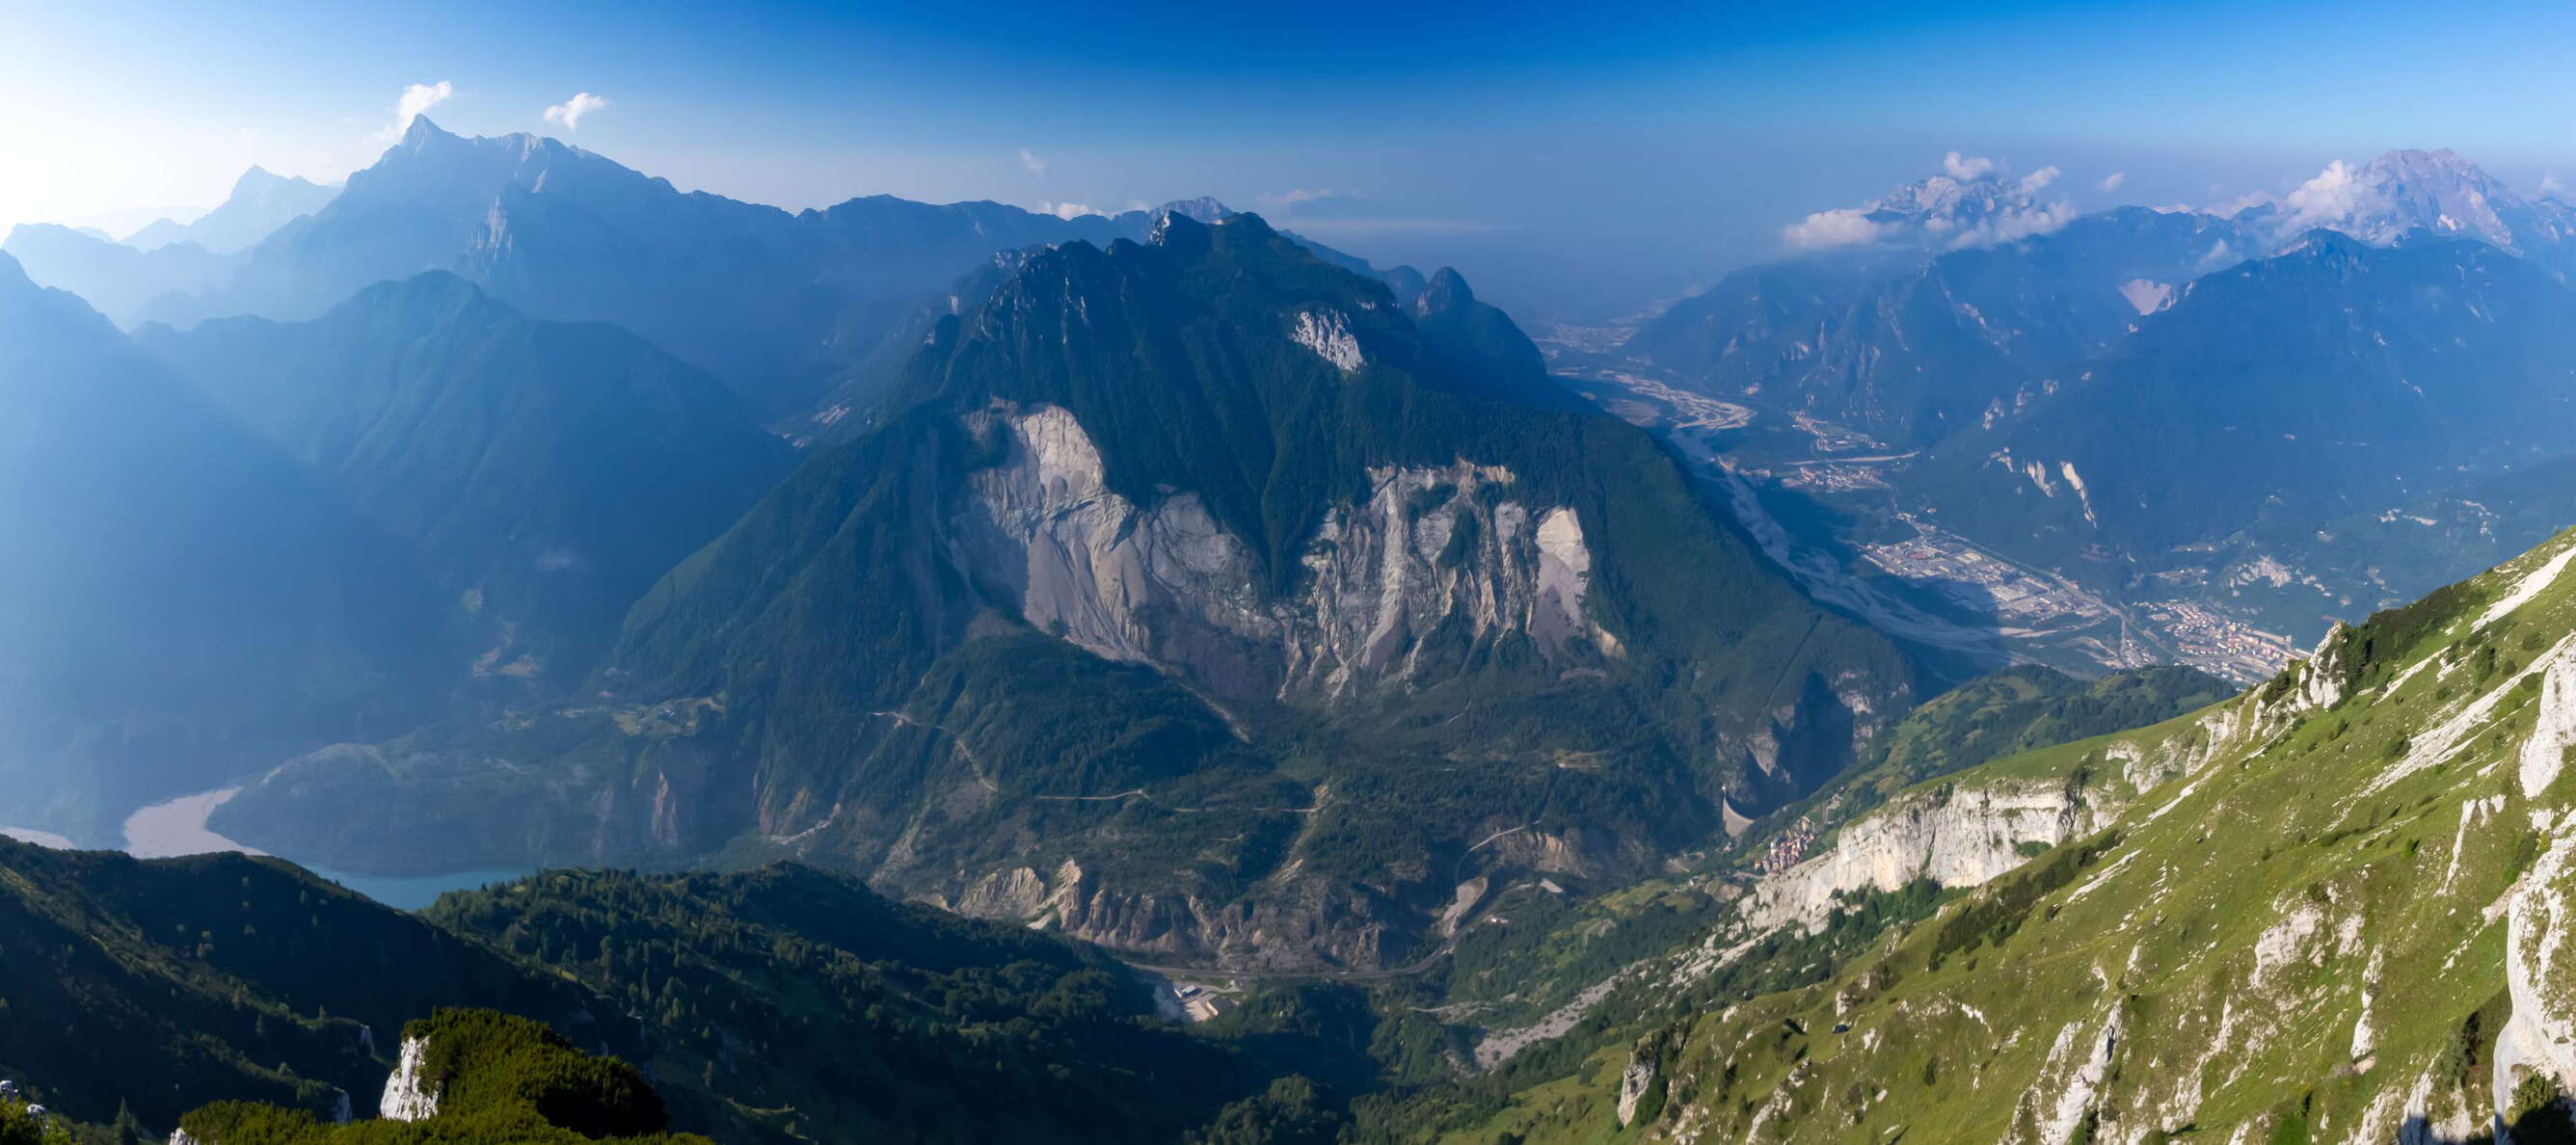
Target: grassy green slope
[2302, 935]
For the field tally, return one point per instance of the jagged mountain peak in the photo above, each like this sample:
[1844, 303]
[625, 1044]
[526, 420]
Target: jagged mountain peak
[2408, 190]
[1446, 288]
[1185, 229]
[424, 132]
[2412, 163]
[1972, 202]
[1204, 208]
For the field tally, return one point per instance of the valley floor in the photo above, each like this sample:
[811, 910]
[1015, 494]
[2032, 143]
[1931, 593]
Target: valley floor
[1906, 575]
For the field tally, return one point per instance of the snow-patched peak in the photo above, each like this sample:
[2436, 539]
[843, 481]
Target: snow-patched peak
[1169, 225]
[1204, 208]
[1972, 202]
[2401, 192]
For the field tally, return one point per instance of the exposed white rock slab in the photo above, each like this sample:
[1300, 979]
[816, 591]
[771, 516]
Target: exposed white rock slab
[1328, 334]
[1167, 584]
[1958, 840]
[2147, 296]
[1633, 1084]
[2078, 1064]
[2529, 587]
[2540, 974]
[408, 1096]
[2553, 728]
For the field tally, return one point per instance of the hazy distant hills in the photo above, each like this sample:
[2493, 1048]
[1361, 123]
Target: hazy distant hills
[1912, 345]
[179, 600]
[544, 472]
[2334, 378]
[767, 300]
[118, 280]
[1160, 611]
[1913, 353]
[2173, 406]
[259, 204]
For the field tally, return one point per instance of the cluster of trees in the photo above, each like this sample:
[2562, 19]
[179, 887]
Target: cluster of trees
[808, 1006]
[496, 1077]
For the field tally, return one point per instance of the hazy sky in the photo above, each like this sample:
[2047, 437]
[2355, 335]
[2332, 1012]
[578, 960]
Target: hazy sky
[1564, 156]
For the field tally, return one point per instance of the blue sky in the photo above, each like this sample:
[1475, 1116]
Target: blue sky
[1611, 153]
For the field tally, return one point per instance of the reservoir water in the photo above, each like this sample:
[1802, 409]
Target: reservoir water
[178, 827]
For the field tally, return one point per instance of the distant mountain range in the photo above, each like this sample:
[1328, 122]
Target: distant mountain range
[1204, 541]
[259, 204]
[545, 473]
[2169, 407]
[1912, 352]
[775, 304]
[1285, 635]
[180, 600]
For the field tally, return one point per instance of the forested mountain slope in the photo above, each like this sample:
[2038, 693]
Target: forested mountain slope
[773, 1005]
[546, 473]
[1155, 613]
[179, 601]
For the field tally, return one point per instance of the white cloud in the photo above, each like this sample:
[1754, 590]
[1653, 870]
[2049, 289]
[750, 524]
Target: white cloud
[1330, 228]
[1030, 160]
[1283, 200]
[2112, 181]
[1974, 202]
[416, 99]
[2230, 208]
[1825, 230]
[1966, 169]
[2336, 195]
[569, 112]
[2017, 223]
[2549, 184]
[1069, 210]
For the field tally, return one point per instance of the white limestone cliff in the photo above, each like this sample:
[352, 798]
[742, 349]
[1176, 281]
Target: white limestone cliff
[409, 1096]
[1169, 585]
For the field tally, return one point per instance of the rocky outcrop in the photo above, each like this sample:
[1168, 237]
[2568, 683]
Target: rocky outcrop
[1294, 924]
[2078, 1065]
[1328, 334]
[2553, 730]
[409, 1096]
[1954, 836]
[2540, 965]
[1642, 1084]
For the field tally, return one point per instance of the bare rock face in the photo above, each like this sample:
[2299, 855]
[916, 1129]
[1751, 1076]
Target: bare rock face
[1645, 1069]
[2540, 965]
[1168, 585]
[1957, 838]
[409, 1096]
[1313, 925]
